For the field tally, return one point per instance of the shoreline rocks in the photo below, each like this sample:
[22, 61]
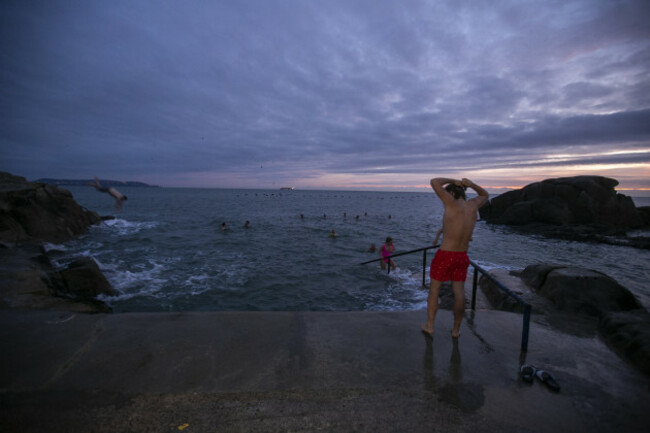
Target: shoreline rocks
[554, 290]
[32, 213]
[29, 281]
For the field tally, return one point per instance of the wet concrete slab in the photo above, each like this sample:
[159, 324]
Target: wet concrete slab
[306, 371]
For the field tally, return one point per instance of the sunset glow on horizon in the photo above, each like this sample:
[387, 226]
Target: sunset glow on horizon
[326, 95]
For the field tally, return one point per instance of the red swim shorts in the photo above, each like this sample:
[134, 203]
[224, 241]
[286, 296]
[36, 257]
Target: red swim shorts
[449, 265]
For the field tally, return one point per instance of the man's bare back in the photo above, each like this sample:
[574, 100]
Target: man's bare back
[457, 226]
[459, 218]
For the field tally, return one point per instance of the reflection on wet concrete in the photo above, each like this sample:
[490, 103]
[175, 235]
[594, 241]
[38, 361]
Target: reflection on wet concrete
[576, 324]
[429, 378]
[466, 396]
[469, 320]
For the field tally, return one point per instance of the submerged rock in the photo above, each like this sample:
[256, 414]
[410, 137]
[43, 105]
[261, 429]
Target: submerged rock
[83, 280]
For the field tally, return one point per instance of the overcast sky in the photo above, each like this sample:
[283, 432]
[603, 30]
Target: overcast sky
[325, 94]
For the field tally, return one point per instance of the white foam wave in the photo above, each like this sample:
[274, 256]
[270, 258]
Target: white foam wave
[54, 247]
[130, 283]
[123, 227]
[403, 292]
[198, 284]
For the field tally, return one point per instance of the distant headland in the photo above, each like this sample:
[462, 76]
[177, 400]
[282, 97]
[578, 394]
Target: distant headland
[84, 182]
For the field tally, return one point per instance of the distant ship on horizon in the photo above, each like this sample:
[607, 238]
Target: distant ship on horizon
[289, 188]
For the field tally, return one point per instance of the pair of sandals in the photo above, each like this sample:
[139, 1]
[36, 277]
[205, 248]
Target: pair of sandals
[528, 373]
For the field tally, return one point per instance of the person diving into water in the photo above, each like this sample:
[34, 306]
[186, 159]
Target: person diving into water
[118, 196]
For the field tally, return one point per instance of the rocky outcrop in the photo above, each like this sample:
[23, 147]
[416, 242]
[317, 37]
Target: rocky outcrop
[31, 213]
[37, 211]
[578, 208]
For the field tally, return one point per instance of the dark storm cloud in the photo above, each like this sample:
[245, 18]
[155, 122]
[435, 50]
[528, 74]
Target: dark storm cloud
[159, 91]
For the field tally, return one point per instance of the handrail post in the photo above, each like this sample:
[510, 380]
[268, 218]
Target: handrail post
[424, 267]
[526, 327]
[474, 281]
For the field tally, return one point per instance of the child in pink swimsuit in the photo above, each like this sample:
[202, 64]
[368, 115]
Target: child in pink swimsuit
[385, 252]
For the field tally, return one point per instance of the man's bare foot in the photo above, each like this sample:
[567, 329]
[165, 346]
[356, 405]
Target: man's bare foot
[427, 330]
[455, 334]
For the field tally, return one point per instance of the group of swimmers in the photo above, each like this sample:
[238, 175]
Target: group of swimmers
[385, 251]
[345, 215]
[451, 260]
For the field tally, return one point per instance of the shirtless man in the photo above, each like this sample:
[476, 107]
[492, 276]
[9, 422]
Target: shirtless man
[119, 197]
[451, 261]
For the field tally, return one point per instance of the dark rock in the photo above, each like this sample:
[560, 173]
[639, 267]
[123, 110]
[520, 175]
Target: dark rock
[40, 212]
[569, 289]
[28, 281]
[580, 200]
[585, 291]
[83, 280]
[501, 300]
[644, 211]
[628, 333]
[535, 275]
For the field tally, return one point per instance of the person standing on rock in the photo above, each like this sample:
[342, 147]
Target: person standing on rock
[119, 197]
[451, 260]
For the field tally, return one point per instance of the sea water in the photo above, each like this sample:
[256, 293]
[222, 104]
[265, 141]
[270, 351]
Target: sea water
[166, 251]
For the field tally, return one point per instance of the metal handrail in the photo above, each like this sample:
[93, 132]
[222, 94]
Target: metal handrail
[526, 306]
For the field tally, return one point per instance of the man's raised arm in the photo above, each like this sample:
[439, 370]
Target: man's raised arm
[483, 195]
[438, 185]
